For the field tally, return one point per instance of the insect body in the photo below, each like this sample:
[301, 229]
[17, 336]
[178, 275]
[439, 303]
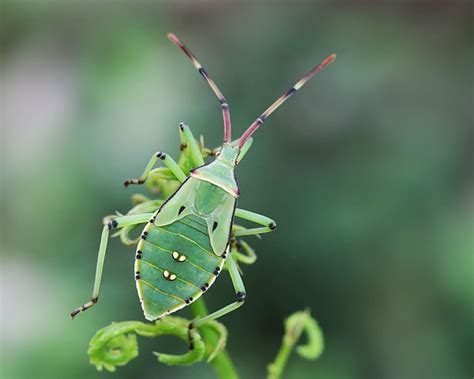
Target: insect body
[183, 247]
[185, 243]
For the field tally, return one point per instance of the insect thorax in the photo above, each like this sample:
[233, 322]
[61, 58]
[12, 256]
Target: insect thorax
[220, 172]
[208, 197]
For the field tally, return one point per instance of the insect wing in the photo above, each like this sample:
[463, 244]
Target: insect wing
[220, 224]
[179, 205]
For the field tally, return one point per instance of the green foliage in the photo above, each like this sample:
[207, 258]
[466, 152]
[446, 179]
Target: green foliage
[116, 344]
[295, 325]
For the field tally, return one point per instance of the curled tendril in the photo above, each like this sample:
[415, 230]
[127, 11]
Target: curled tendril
[125, 237]
[161, 181]
[295, 325]
[116, 344]
[242, 252]
[221, 331]
[143, 205]
[138, 198]
[303, 322]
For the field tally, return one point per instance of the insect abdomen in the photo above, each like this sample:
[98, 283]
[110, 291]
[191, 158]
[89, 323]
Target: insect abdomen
[174, 265]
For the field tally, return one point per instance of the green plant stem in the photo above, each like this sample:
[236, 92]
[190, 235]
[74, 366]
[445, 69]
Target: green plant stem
[276, 368]
[222, 363]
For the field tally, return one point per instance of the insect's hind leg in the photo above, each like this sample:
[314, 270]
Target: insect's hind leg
[269, 225]
[167, 160]
[239, 291]
[115, 223]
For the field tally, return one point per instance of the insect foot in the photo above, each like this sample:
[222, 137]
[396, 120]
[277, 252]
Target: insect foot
[127, 182]
[84, 307]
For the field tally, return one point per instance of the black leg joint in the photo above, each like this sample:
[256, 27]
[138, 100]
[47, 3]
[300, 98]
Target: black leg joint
[112, 224]
[272, 225]
[160, 155]
[241, 296]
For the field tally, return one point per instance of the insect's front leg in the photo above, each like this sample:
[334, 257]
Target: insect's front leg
[115, 223]
[188, 141]
[167, 160]
[269, 225]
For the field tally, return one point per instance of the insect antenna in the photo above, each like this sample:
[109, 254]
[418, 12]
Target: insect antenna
[212, 84]
[259, 121]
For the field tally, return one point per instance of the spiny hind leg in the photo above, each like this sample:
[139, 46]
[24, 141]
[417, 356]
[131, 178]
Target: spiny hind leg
[167, 160]
[118, 222]
[269, 225]
[239, 291]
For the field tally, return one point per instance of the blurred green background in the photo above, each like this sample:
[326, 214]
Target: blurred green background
[367, 170]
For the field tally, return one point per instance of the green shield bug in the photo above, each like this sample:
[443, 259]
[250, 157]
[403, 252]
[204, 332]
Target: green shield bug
[185, 242]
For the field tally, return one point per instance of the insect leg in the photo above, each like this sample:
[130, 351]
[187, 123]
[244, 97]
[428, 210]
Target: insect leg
[118, 222]
[269, 224]
[190, 142]
[239, 291]
[167, 160]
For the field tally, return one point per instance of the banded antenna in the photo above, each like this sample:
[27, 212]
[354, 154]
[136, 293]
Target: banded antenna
[212, 84]
[272, 108]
